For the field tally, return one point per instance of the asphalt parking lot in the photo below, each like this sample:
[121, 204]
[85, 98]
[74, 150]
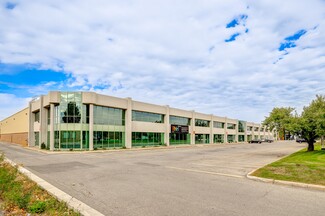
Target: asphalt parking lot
[198, 180]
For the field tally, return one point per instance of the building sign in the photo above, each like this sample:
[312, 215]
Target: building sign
[179, 129]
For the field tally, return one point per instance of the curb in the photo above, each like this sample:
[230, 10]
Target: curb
[132, 149]
[72, 202]
[287, 183]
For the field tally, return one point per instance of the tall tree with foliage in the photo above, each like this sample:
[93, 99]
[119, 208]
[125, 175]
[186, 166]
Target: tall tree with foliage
[280, 119]
[312, 121]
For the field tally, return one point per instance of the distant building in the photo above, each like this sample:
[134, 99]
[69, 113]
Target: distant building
[88, 121]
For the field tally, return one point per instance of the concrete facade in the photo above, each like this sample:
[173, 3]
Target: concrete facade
[14, 129]
[46, 106]
[42, 122]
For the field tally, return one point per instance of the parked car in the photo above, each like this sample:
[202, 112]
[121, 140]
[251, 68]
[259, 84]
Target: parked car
[269, 140]
[300, 140]
[255, 141]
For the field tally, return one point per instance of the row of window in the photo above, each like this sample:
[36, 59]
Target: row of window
[70, 112]
[116, 139]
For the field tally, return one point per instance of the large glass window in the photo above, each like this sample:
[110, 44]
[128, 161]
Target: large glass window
[249, 138]
[241, 138]
[202, 123]
[147, 139]
[231, 138]
[85, 113]
[176, 120]
[108, 116]
[36, 135]
[256, 129]
[70, 107]
[179, 138]
[147, 117]
[217, 124]
[202, 138]
[249, 128]
[241, 126]
[231, 126]
[108, 139]
[218, 138]
[70, 140]
[37, 116]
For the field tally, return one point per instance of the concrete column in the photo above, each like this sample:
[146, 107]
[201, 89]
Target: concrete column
[51, 127]
[91, 127]
[236, 128]
[31, 119]
[225, 140]
[167, 124]
[245, 131]
[128, 124]
[193, 128]
[211, 129]
[43, 123]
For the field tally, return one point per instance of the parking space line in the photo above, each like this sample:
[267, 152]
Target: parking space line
[206, 172]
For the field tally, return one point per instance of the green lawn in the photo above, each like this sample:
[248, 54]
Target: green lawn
[21, 196]
[302, 166]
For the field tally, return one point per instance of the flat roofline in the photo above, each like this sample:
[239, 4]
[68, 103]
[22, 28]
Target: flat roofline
[14, 114]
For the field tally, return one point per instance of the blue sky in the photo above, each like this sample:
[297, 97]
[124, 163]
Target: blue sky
[209, 56]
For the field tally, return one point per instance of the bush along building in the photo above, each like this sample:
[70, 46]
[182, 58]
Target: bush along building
[90, 121]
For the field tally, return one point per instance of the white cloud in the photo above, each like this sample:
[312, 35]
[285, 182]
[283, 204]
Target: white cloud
[11, 104]
[158, 51]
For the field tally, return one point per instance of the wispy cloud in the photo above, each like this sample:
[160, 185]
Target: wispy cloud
[174, 52]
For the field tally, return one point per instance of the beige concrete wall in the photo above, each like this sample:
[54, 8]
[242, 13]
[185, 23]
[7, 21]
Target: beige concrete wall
[133, 126]
[15, 128]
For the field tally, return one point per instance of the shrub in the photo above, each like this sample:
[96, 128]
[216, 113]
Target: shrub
[43, 146]
[37, 207]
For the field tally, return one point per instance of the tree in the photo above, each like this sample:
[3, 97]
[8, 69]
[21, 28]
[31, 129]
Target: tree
[312, 121]
[280, 119]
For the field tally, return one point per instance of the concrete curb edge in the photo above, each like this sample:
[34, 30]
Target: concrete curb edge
[287, 183]
[72, 202]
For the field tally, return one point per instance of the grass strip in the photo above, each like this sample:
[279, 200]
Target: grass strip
[301, 166]
[21, 196]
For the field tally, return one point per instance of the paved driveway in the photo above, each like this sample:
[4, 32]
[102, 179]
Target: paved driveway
[208, 180]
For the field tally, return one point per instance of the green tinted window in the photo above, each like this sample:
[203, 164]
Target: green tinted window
[217, 124]
[147, 117]
[202, 123]
[231, 126]
[108, 116]
[176, 120]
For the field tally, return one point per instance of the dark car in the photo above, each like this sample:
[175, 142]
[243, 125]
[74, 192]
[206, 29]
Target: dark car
[300, 140]
[255, 141]
[269, 140]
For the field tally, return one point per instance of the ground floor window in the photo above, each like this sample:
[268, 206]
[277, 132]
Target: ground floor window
[249, 138]
[108, 139]
[241, 138]
[147, 139]
[36, 135]
[218, 138]
[202, 138]
[256, 137]
[231, 138]
[70, 140]
[179, 138]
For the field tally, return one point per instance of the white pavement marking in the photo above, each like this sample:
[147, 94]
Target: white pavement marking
[206, 172]
[72, 202]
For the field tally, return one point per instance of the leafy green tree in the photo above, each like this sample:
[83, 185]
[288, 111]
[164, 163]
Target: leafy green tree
[312, 121]
[280, 119]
